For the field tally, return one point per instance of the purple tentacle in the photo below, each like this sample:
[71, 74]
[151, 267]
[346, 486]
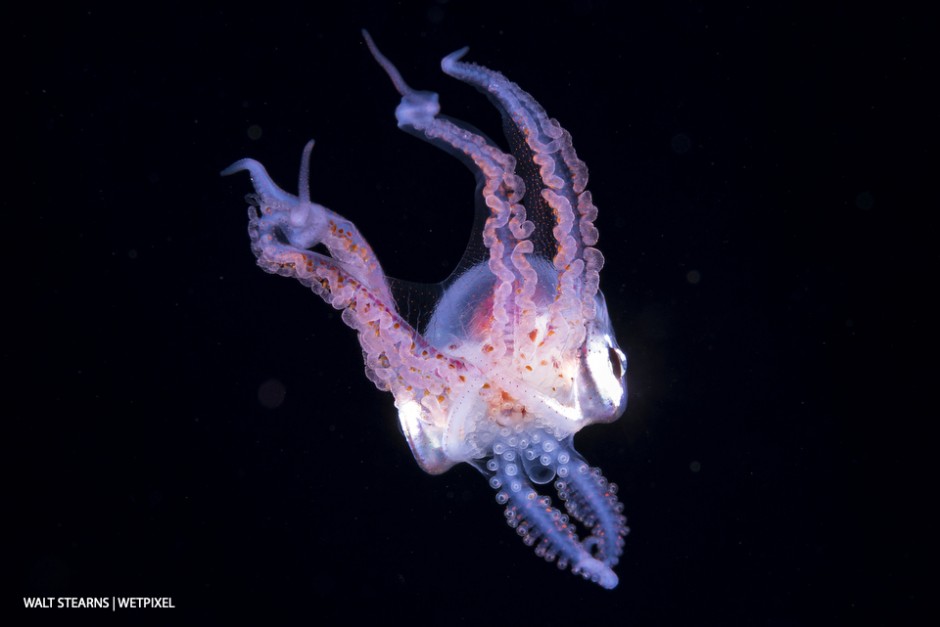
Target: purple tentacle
[592, 501]
[589, 498]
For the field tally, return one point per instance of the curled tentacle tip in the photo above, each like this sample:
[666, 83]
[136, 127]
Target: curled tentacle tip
[599, 573]
[238, 166]
[455, 56]
[608, 580]
[260, 179]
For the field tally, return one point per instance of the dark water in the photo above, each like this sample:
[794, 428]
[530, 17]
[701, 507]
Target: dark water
[185, 425]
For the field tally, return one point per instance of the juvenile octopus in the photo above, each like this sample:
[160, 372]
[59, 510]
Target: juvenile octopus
[519, 353]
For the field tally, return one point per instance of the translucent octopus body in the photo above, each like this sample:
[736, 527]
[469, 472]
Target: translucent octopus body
[519, 354]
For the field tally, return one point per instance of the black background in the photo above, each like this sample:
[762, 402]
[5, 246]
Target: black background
[768, 149]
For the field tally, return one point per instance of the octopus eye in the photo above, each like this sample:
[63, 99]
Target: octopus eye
[616, 361]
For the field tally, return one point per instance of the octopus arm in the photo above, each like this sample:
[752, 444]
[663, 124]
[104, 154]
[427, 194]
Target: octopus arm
[283, 227]
[563, 179]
